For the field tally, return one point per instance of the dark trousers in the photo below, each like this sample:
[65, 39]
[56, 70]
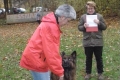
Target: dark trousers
[39, 21]
[97, 51]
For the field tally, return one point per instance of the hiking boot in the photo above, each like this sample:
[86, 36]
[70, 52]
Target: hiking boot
[100, 77]
[87, 76]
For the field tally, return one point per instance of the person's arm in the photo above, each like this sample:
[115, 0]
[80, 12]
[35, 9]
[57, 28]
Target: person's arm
[102, 25]
[51, 50]
[81, 24]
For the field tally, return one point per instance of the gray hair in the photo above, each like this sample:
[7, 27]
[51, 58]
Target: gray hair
[66, 10]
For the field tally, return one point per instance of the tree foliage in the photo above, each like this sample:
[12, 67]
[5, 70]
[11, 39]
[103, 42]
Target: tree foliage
[105, 7]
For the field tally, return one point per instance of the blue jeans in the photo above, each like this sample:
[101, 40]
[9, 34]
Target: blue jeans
[40, 75]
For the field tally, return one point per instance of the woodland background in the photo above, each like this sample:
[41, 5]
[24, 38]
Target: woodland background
[109, 8]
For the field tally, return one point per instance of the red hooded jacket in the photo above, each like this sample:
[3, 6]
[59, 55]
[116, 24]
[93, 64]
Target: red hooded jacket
[42, 51]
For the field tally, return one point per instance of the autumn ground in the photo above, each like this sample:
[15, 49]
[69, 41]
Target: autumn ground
[13, 39]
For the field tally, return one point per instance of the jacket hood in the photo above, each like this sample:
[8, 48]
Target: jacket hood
[49, 18]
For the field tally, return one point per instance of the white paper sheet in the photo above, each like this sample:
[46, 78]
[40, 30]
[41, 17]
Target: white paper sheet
[90, 20]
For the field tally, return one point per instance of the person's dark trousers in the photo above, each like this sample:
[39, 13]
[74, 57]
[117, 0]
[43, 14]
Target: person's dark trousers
[39, 21]
[97, 51]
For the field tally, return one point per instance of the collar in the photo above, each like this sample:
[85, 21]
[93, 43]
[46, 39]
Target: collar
[57, 22]
[56, 18]
[92, 14]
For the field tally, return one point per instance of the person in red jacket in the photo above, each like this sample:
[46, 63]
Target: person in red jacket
[42, 53]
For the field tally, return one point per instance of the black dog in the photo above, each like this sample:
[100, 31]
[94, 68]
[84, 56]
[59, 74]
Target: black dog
[69, 65]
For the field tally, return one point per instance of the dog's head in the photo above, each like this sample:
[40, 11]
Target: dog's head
[69, 61]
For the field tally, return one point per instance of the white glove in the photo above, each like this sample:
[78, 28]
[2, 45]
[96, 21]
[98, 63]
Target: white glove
[61, 77]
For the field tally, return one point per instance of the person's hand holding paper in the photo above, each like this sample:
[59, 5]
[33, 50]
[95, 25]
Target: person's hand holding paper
[96, 21]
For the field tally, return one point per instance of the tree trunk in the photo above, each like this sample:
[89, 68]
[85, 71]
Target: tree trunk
[6, 6]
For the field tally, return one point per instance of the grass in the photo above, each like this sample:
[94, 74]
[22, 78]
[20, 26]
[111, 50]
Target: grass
[13, 39]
